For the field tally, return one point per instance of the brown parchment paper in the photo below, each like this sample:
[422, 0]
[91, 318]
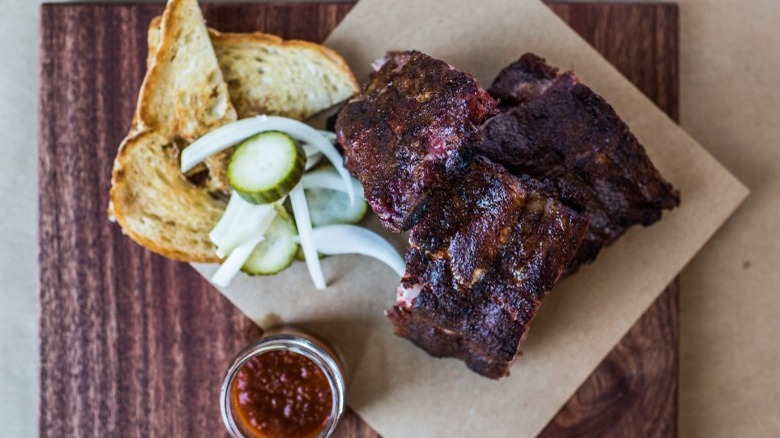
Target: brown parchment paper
[398, 389]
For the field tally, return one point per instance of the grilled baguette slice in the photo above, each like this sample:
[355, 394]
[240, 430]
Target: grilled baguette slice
[182, 97]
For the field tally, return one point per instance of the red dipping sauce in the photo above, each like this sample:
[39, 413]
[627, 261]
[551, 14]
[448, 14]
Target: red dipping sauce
[286, 385]
[281, 394]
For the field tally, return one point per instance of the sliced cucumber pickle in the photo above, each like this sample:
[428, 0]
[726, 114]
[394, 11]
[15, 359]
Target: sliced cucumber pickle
[266, 166]
[330, 207]
[277, 251]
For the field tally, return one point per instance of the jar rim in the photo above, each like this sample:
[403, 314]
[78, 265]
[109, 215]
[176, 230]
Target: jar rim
[295, 344]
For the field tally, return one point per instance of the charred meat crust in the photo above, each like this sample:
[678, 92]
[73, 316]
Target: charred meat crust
[481, 261]
[525, 78]
[554, 128]
[408, 128]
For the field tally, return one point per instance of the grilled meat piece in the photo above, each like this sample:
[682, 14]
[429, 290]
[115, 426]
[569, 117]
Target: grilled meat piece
[555, 128]
[524, 79]
[480, 262]
[407, 129]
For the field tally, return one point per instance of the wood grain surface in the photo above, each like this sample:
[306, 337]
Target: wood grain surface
[135, 345]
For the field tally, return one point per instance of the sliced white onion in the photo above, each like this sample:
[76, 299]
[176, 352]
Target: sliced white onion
[329, 135]
[236, 205]
[327, 179]
[303, 222]
[234, 262]
[254, 222]
[313, 155]
[232, 133]
[218, 140]
[352, 239]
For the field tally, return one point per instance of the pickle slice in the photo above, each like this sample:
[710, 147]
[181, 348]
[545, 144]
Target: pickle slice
[277, 250]
[330, 207]
[266, 166]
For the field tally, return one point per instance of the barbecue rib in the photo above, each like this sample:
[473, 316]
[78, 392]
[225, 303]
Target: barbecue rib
[410, 125]
[490, 239]
[481, 260]
[552, 127]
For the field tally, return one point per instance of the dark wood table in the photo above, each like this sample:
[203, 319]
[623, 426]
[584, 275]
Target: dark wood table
[135, 345]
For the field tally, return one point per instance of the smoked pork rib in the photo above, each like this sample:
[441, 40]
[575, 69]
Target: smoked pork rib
[407, 129]
[480, 262]
[552, 127]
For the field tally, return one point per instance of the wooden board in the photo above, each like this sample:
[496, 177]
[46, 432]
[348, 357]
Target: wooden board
[135, 345]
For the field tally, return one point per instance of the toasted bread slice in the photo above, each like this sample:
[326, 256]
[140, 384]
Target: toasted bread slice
[293, 78]
[183, 96]
[184, 91]
[269, 75]
[157, 206]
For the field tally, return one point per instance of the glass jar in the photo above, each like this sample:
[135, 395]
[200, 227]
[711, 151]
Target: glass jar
[291, 340]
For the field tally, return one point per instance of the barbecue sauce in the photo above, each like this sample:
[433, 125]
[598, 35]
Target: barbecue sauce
[281, 394]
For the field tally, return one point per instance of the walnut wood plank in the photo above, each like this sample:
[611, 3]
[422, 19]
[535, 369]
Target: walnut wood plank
[135, 345]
